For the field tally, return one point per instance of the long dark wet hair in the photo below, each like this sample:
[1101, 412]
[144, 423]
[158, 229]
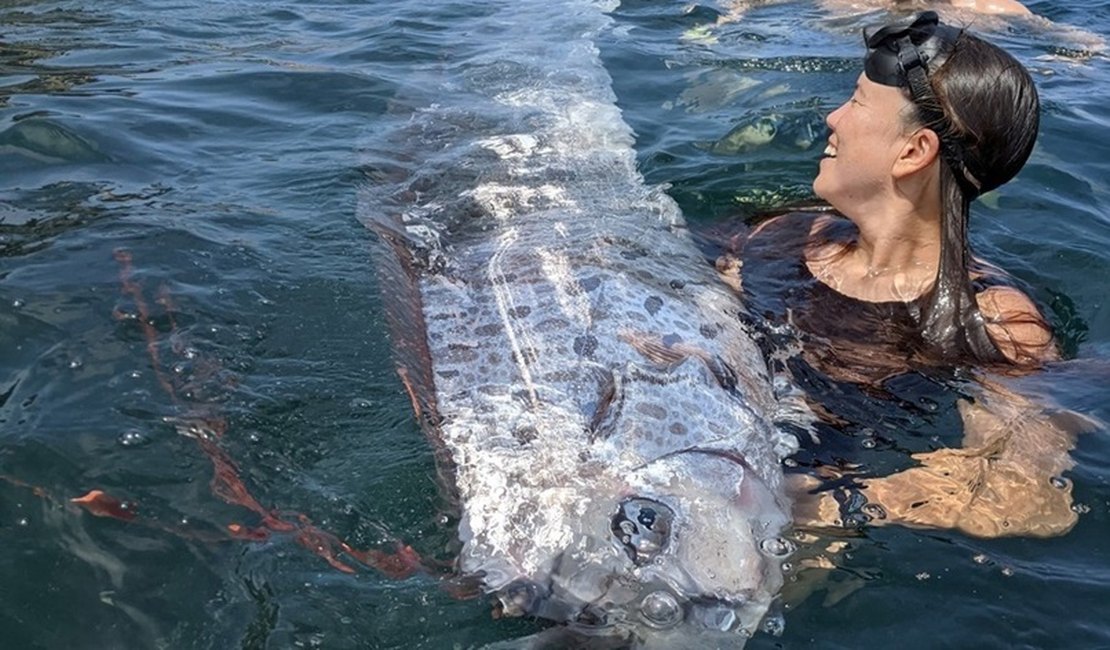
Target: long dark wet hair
[990, 114]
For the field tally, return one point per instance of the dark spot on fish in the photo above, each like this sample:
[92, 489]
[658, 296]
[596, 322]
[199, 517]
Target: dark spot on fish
[677, 428]
[552, 325]
[652, 410]
[461, 353]
[590, 283]
[448, 374]
[671, 340]
[491, 329]
[462, 356]
[709, 331]
[443, 315]
[520, 312]
[525, 434]
[494, 390]
[677, 284]
[585, 345]
[494, 357]
[633, 253]
[653, 304]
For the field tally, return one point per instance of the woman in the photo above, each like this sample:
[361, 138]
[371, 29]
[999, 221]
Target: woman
[887, 284]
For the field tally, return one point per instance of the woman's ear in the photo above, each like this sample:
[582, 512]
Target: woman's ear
[920, 150]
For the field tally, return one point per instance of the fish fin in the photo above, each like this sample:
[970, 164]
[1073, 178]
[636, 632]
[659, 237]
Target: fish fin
[609, 403]
[660, 351]
[399, 282]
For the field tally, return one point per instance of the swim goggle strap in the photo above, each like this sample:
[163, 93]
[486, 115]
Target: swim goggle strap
[898, 55]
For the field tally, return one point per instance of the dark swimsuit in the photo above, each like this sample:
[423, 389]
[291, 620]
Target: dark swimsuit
[864, 363]
[852, 339]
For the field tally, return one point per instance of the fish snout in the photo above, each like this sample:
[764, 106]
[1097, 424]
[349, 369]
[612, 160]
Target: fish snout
[521, 598]
[643, 528]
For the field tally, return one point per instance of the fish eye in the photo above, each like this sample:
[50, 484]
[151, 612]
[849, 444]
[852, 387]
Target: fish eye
[643, 528]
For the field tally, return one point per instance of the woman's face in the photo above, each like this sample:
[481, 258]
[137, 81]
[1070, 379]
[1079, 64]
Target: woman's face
[867, 133]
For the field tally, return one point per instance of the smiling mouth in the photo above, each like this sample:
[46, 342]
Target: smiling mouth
[830, 152]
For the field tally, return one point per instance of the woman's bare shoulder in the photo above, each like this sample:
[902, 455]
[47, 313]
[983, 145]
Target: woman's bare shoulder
[1016, 325]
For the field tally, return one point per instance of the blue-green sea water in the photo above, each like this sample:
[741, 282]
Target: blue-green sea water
[221, 147]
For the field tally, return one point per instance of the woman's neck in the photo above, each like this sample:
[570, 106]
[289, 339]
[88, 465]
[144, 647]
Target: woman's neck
[893, 257]
[900, 241]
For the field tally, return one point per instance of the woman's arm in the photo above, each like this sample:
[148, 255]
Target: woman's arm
[1004, 481]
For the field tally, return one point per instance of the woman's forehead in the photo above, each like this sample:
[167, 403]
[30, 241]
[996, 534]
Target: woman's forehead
[878, 92]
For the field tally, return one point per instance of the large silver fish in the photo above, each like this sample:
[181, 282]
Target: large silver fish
[605, 420]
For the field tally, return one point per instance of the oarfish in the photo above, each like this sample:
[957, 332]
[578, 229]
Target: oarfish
[605, 420]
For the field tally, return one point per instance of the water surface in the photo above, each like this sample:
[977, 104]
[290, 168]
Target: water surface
[221, 148]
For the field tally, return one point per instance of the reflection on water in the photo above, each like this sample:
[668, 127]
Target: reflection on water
[219, 144]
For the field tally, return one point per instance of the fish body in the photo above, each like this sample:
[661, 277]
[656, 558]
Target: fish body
[606, 422]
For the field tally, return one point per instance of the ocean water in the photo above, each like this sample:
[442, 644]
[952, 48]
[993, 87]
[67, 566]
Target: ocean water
[191, 320]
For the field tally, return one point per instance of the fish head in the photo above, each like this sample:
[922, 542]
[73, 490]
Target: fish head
[674, 538]
[688, 554]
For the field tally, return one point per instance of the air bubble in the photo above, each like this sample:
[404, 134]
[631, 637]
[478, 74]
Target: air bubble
[774, 624]
[789, 462]
[1058, 482]
[661, 609]
[361, 403]
[874, 510]
[779, 547]
[1081, 508]
[75, 363]
[133, 438]
[17, 303]
[869, 443]
[23, 521]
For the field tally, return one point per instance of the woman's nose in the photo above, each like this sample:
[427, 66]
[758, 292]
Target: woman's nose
[832, 118]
